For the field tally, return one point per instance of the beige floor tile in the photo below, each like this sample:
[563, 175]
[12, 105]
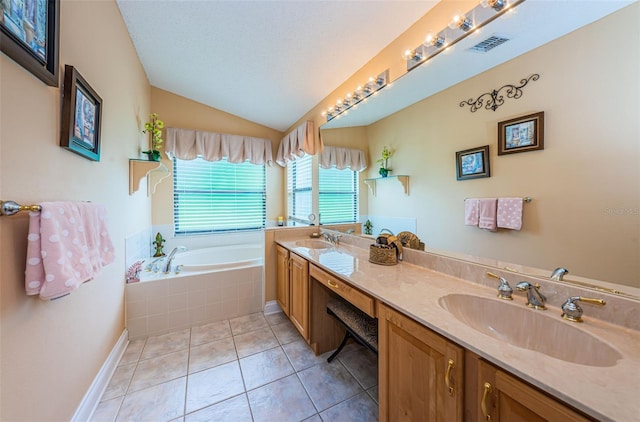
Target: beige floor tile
[248, 323]
[360, 408]
[277, 318]
[301, 355]
[212, 354]
[107, 410]
[162, 402]
[119, 381]
[166, 343]
[213, 385]
[255, 342]
[329, 384]
[133, 351]
[235, 409]
[314, 418]
[373, 392]
[284, 400]
[265, 367]
[362, 364]
[210, 332]
[160, 369]
[286, 332]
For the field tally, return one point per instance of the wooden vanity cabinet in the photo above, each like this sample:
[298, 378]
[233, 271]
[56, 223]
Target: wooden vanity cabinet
[503, 397]
[421, 373]
[299, 294]
[282, 279]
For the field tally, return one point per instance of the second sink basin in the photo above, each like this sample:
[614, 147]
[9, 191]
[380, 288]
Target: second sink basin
[530, 329]
[314, 244]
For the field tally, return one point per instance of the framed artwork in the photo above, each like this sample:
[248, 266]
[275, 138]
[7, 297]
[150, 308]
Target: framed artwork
[81, 116]
[473, 163]
[521, 134]
[29, 34]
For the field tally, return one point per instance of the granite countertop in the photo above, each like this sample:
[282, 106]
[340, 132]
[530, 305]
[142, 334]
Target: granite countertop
[604, 392]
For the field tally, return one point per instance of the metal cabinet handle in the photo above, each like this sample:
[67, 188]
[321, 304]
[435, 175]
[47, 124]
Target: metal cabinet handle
[332, 284]
[447, 377]
[483, 405]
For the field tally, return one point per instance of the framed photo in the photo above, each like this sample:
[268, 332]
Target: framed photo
[29, 34]
[473, 163]
[521, 134]
[81, 116]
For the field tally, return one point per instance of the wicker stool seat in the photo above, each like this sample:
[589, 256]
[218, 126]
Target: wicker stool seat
[359, 326]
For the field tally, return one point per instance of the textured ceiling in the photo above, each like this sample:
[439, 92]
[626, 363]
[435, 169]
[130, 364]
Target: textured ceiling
[266, 61]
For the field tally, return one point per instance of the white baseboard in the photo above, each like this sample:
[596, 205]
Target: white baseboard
[99, 385]
[271, 307]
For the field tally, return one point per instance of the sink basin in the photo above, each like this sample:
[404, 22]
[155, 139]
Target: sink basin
[314, 244]
[523, 327]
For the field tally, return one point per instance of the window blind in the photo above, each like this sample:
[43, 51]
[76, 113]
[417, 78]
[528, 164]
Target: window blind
[299, 184]
[218, 196]
[337, 195]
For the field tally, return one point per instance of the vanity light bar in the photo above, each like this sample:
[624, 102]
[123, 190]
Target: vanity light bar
[372, 86]
[461, 26]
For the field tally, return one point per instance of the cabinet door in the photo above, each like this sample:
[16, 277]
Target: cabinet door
[282, 279]
[502, 397]
[299, 281]
[420, 371]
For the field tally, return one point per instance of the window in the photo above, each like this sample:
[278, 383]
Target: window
[218, 196]
[299, 183]
[337, 195]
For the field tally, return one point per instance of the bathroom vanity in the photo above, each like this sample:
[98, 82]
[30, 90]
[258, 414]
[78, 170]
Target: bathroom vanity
[438, 356]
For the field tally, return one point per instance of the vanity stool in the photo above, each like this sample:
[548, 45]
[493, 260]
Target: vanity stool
[359, 326]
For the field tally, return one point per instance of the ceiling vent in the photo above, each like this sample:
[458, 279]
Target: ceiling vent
[490, 43]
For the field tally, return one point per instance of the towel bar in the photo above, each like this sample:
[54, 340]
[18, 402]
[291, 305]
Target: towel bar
[12, 207]
[525, 199]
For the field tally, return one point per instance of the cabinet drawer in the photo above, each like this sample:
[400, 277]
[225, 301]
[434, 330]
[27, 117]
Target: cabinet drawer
[354, 296]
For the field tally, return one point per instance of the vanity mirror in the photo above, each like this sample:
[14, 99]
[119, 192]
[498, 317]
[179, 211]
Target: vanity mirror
[585, 213]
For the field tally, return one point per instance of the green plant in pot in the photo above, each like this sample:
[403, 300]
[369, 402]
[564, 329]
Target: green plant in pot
[384, 168]
[154, 127]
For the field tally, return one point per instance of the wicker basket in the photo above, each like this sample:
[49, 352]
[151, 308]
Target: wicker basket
[383, 254]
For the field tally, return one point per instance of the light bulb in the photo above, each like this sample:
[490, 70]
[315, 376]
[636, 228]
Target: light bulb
[461, 22]
[435, 41]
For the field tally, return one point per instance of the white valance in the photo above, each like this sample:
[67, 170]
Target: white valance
[342, 158]
[187, 144]
[301, 140]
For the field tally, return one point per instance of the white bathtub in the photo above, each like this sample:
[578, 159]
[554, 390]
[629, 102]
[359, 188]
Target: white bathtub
[214, 284]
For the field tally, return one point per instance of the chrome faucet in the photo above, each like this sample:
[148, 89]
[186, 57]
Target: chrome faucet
[333, 238]
[167, 263]
[535, 299]
[350, 231]
[573, 312]
[504, 290]
[558, 273]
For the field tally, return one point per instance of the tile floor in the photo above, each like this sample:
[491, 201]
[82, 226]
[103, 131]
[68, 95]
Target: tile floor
[251, 368]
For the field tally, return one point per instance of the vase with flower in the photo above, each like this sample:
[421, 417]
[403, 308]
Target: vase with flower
[154, 127]
[384, 167]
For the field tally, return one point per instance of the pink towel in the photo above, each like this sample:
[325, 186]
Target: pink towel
[487, 209]
[510, 213]
[68, 244]
[471, 212]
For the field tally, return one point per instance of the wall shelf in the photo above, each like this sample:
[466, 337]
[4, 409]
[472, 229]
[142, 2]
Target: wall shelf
[403, 179]
[154, 171]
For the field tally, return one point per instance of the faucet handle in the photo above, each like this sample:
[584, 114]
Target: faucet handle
[504, 290]
[535, 299]
[573, 312]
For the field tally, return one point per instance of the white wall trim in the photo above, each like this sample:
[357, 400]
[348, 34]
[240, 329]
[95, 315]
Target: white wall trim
[99, 385]
[271, 307]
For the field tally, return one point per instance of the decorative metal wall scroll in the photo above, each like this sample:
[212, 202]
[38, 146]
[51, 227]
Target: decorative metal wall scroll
[494, 99]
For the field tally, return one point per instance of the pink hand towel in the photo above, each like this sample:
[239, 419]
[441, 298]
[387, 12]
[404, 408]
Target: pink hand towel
[510, 213]
[471, 217]
[487, 209]
[68, 244]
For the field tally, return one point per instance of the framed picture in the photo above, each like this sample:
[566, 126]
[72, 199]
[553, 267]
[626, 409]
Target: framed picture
[81, 116]
[29, 34]
[521, 134]
[473, 163]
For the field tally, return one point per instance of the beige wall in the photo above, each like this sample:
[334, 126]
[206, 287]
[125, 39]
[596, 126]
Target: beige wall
[585, 184]
[177, 111]
[52, 350]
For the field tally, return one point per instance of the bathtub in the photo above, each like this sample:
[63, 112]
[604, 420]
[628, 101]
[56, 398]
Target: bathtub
[213, 284]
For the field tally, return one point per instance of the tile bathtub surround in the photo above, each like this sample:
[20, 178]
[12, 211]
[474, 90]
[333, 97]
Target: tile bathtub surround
[249, 368]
